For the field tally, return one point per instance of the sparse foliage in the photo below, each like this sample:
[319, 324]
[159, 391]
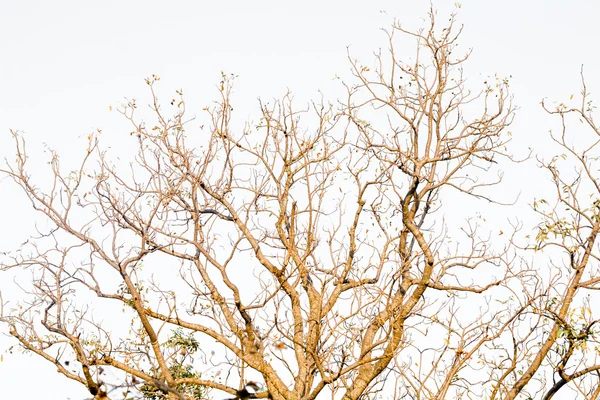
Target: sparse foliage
[309, 250]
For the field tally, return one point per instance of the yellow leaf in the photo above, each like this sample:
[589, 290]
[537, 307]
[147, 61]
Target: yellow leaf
[571, 98]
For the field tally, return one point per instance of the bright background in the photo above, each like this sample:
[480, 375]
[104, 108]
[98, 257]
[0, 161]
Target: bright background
[63, 63]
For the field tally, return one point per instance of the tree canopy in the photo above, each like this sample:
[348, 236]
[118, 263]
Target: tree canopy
[309, 251]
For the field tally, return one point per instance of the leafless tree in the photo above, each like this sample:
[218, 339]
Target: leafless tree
[310, 249]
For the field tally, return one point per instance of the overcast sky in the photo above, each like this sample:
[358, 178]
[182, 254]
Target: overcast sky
[65, 62]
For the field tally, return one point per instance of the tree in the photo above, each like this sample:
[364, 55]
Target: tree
[309, 250]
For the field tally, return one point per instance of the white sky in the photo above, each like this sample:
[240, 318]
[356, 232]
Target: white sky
[64, 62]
